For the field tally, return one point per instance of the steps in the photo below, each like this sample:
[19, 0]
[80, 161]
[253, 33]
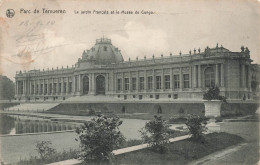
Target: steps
[32, 107]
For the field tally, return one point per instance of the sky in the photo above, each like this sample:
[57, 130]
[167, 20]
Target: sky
[40, 40]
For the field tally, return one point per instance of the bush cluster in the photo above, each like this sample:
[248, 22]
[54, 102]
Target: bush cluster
[98, 138]
[213, 94]
[156, 134]
[196, 126]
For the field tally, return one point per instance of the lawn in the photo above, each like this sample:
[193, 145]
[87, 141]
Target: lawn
[181, 152]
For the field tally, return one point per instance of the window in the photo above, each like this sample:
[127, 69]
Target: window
[45, 88]
[158, 82]
[151, 96]
[167, 81]
[209, 77]
[41, 90]
[150, 82]
[119, 84]
[133, 83]
[141, 83]
[176, 81]
[70, 87]
[50, 88]
[118, 96]
[54, 87]
[59, 88]
[186, 80]
[140, 97]
[126, 84]
[32, 90]
[125, 97]
[64, 87]
[175, 96]
[37, 89]
[105, 48]
[134, 96]
[169, 96]
[157, 96]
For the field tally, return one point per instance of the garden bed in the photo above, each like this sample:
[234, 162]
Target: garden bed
[181, 152]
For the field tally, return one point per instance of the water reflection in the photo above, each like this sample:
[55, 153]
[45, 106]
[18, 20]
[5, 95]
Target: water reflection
[11, 124]
[7, 123]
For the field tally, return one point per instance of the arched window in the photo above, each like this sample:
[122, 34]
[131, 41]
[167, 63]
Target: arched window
[209, 77]
[105, 48]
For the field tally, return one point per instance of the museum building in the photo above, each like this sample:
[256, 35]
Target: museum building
[102, 70]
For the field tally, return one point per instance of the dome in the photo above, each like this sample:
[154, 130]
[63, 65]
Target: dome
[103, 53]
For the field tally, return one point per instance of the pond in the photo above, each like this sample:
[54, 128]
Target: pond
[22, 146]
[18, 124]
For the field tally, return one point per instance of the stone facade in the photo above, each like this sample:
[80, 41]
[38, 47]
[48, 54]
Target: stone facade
[103, 71]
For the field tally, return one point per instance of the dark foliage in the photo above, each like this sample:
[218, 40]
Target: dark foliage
[6, 88]
[196, 126]
[213, 94]
[98, 138]
[156, 134]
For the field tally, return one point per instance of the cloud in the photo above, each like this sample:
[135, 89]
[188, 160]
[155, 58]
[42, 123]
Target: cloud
[140, 41]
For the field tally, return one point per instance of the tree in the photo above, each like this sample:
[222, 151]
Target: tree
[196, 126]
[44, 149]
[6, 88]
[98, 138]
[155, 133]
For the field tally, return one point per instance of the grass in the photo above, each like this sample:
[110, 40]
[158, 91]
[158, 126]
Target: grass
[181, 152]
[71, 154]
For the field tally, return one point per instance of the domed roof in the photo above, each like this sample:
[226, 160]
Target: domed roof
[103, 53]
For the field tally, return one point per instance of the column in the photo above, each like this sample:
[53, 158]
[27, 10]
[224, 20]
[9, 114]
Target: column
[34, 87]
[145, 80]
[29, 87]
[171, 80]
[130, 81]
[137, 81]
[48, 86]
[90, 83]
[154, 81]
[181, 79]
[52, 84]
[243, 76]
[217, 76]
[93, 83]
[222, 75]
[106, 82]
[43, 87]
[79, 84]
[74, 84]
[249, 78]
[190, 77]
[123, 81]
[62, 86]
[199, 76]
[194, 76]
[113, 82]
[24, 87]
[67, 90]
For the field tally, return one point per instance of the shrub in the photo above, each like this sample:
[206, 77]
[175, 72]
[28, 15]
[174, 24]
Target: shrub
[98, 138]
[91, 112]
[213, 94]
[155, 133]
[196, 126]
[44, 150]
